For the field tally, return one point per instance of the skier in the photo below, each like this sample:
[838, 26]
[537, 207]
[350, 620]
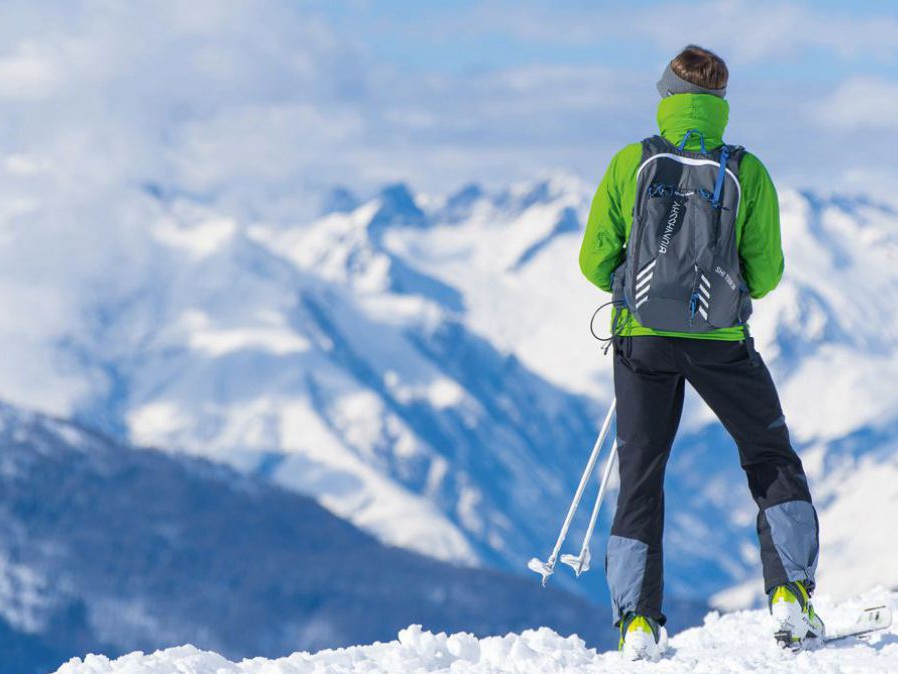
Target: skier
[684, 231]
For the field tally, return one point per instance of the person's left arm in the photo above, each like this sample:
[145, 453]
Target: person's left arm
[602, 249]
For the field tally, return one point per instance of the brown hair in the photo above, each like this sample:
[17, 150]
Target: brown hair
[701, 67]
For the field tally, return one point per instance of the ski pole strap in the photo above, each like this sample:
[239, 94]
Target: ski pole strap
[721, 174]
[701, 140]
[617, 307]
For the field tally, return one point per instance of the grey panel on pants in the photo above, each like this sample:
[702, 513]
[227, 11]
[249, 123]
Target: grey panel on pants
[793, 528]
[625, 569]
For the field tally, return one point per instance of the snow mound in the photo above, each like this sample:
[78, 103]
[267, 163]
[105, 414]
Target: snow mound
[732, 643]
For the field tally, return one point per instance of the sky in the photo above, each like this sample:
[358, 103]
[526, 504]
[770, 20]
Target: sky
[494, 90]
[262, 102]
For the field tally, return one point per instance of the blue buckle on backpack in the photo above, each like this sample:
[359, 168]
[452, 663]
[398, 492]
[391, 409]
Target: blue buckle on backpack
[693, 306]
[660, 190]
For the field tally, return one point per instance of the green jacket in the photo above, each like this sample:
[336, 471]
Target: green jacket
[757, 222]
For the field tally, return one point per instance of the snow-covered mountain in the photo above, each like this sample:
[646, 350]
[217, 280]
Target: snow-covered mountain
[422, 365]
[110, 549]
[737, 643]
[314, 355]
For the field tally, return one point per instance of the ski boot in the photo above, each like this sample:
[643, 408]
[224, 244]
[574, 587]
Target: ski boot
[797, 625]
[641, 638]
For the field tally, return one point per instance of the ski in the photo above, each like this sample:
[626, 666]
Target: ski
[869, 620]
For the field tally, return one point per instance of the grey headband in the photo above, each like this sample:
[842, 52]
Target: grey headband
[671, 83]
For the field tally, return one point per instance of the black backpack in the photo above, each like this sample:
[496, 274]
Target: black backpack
[682, 271]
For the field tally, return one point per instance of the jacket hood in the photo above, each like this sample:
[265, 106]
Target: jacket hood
[707, 114]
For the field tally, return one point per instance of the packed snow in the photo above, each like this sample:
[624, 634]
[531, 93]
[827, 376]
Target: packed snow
[734, 643]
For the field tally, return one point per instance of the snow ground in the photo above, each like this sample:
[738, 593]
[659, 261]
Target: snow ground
[733, 643]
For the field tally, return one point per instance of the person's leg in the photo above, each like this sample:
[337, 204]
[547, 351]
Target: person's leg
[742, 394]
[649, 393]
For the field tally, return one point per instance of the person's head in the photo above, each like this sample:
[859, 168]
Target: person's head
[694, 71]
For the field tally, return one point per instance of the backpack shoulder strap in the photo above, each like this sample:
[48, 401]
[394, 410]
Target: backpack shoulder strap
[735, 158]
[730, 157]
[656, 145]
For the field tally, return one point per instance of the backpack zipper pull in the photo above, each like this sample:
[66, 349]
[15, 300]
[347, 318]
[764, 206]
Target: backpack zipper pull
[693, 306]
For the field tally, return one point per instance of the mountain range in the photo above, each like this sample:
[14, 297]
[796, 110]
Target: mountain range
[422, 367]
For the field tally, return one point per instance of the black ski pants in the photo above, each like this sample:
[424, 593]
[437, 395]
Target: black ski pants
[650, 373]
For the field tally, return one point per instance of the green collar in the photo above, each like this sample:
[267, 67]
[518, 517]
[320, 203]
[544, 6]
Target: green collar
[708, 114]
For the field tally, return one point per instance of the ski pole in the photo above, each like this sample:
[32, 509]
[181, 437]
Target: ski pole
[547, 568]
[580, 563]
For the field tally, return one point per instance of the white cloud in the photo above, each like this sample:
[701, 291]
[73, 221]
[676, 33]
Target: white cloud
[265, 142]
[200, 240]
[750, 31]
[747, 31]
[859, 103]
[27, 74]
[265, 100]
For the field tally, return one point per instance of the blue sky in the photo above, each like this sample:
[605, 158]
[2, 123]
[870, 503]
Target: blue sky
[563, 84]
[266, 100]
[456, 40]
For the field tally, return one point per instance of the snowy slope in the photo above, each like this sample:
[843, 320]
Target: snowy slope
[354, 379]
[107, 548]
[735, 643]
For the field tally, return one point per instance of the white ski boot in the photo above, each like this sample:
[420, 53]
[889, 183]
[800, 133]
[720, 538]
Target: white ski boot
[796, 625]
[641, 638]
